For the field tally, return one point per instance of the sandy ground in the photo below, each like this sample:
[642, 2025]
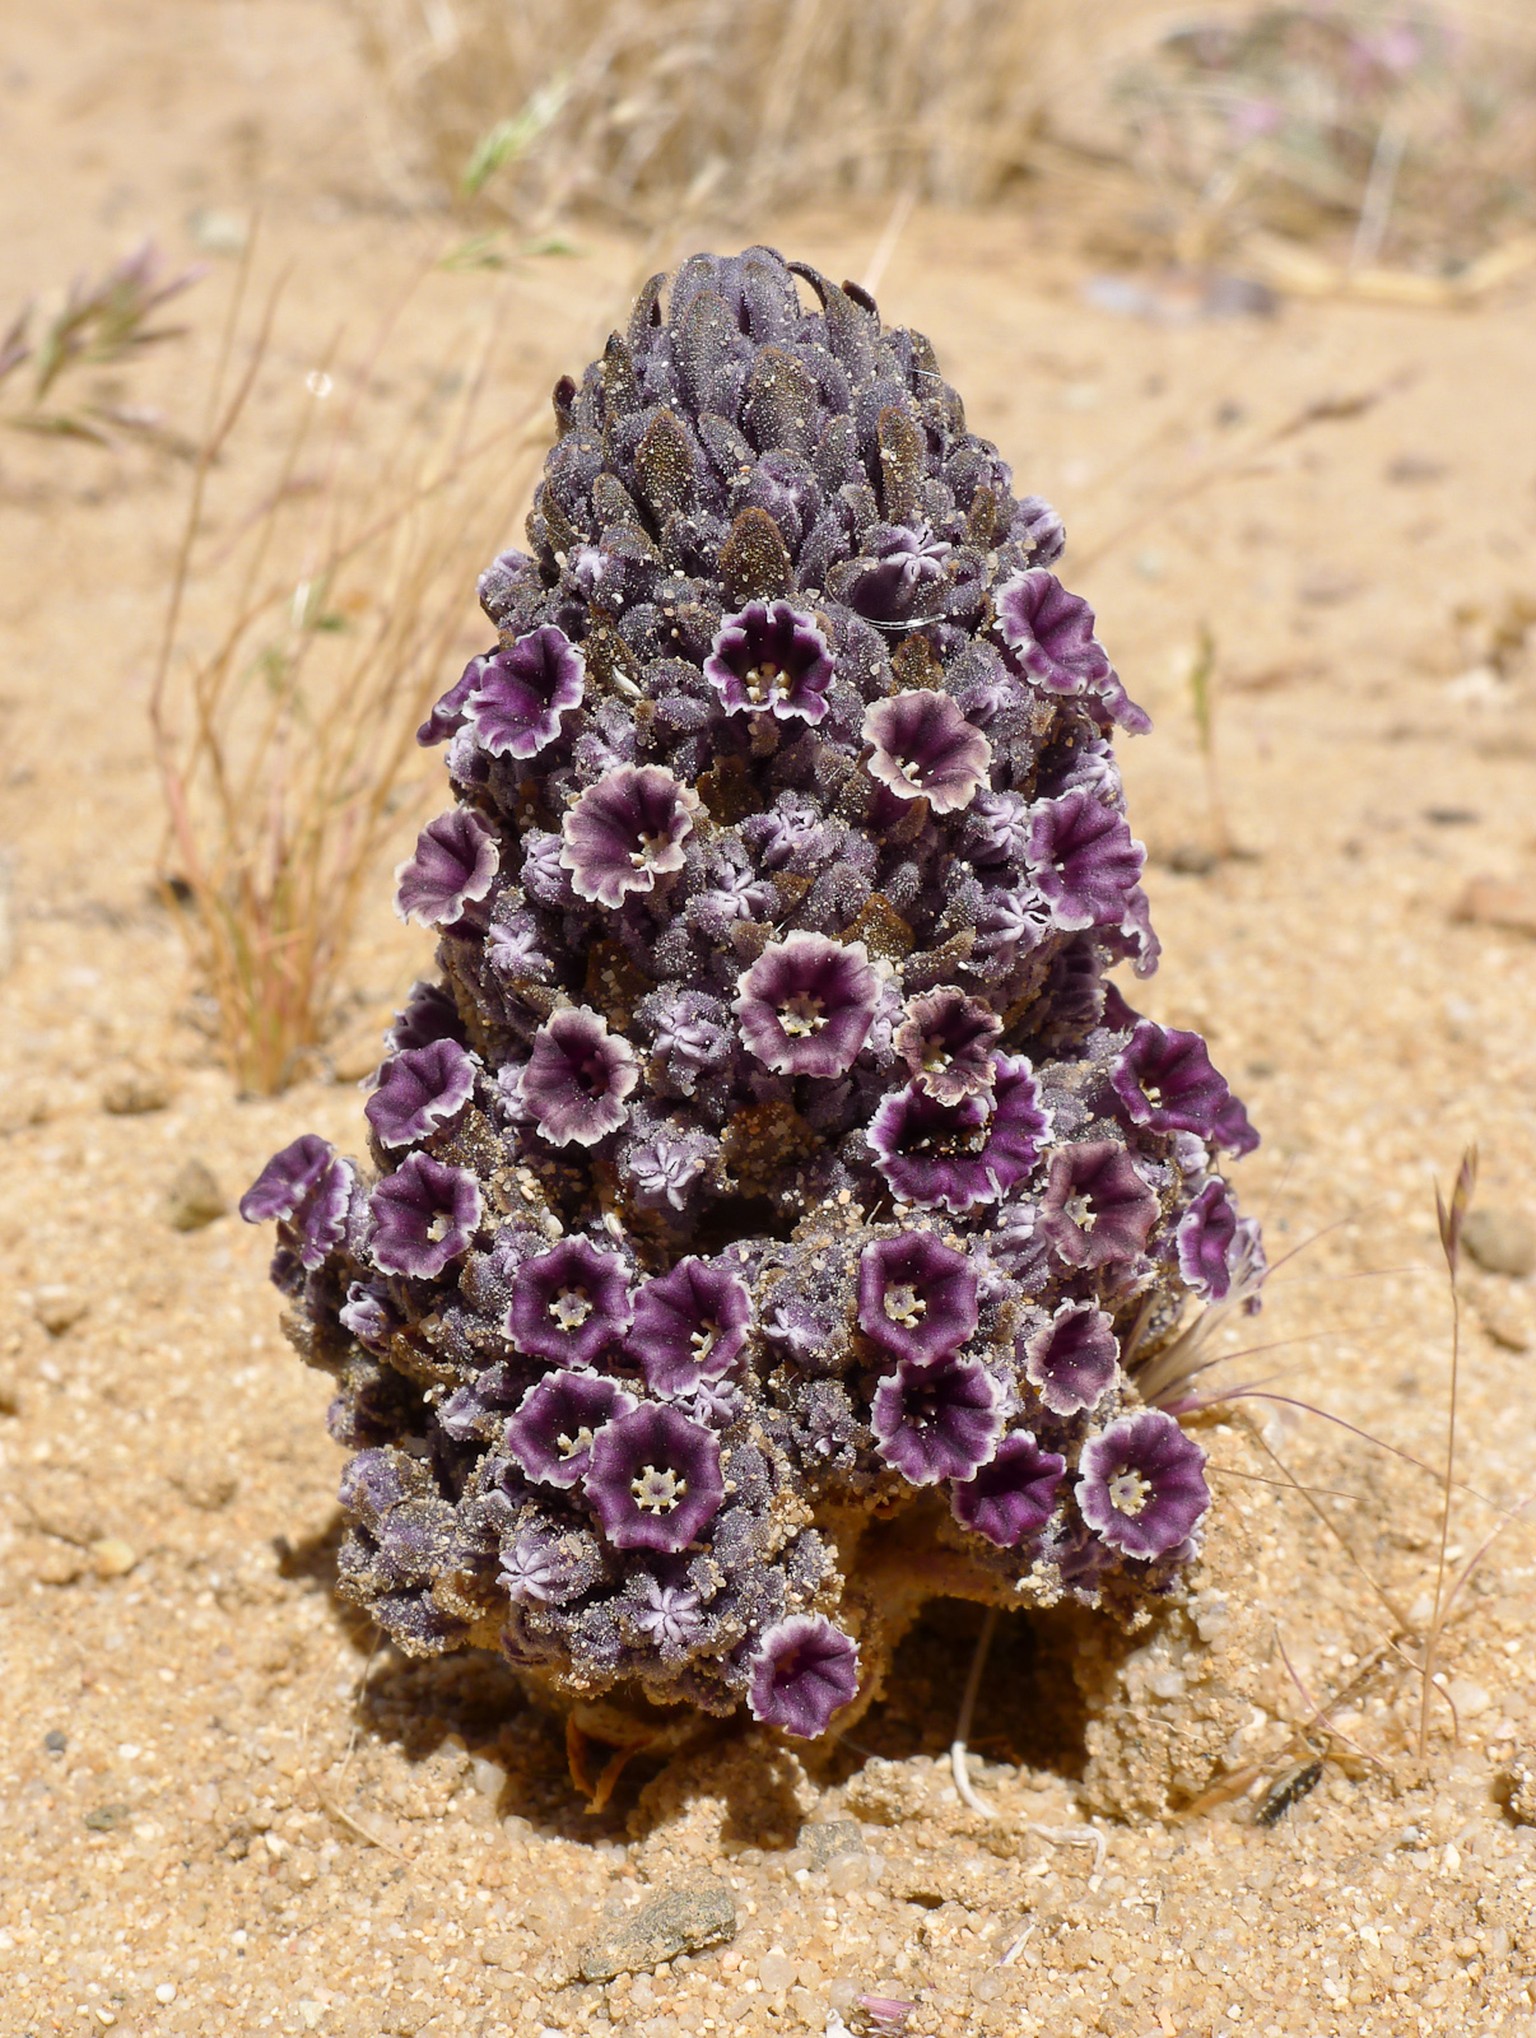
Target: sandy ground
[223, 1811]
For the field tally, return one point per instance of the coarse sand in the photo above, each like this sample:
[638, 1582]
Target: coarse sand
[225, 1809]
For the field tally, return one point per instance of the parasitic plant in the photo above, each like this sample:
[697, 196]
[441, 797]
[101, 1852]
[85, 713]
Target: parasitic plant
[773, 1199]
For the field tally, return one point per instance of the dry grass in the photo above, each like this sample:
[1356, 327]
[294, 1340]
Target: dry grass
[637, 107]
[309, 624]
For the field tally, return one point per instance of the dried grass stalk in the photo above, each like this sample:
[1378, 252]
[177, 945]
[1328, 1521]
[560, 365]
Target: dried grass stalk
[296, 654]
[631, 107]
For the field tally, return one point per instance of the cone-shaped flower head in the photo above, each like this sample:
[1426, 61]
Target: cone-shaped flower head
[770, 658]
[803, 1671]
[1142, 1486]
[805, 1005]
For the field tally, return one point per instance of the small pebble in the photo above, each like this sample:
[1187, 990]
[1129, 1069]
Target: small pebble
[165, 1992]
[678, 1921]
[56, 1740]
[1501, 1241]
[111, 1557]
[58, 1308]
[134, 1093]
[194, 1198]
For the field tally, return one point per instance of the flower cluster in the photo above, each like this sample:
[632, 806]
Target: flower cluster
[773, 1178]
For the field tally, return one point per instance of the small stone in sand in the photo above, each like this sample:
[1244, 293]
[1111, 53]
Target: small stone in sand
[58, 1308]
[1501, 1241]
[194, 1198]
[134, 1093]
[678, 1921]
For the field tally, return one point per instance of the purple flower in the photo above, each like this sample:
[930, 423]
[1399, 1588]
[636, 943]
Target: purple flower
[521, 693]
[366, 1314]
[1050, 632]
[924, 748]
[668, 1616]
[654, 1479]
[1010, 1497]
[1096, 1207]
[917, 1296]
[577, 1078]
[429, 1014]
[960, 1155]
[1140, 1484]
[569, 1304]
[420, 1090]
[998, 830]
[938, 1420]
[625, 832]
[771, 657]
[454, 866]
[690, 1325]
[1165, 1080]
[551, 1434]
[665, 1169]
[447, 717]
[512, 949]
[805, 1006]
[803, 1670]
[307, 1188]
[1205, 1237]
[1082, 858]
[1073, 1359]
[424, 1215]
[945, 1039]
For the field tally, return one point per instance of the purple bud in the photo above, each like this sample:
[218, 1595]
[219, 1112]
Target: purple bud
[806, 1005]
[454, 866]
[367, 1315]
[577, 1078]
[1141, 1486]
[654, 1479]
[551, 1434]
[625, 832]
[668, 1617]
[917, 1296]
[1096, 1207]
[961, 1155]
[429, 1014]
[420, 1090]
[307, 1188]
[690, 1325]
[938, 1420]
[535, 1570]
[770, 657]
[1074, 1359]
[1165, 1080]
[1010, 1497]
[803, 1670]
[424, 1215]
[924, 748]
[945, 1039]
[1082, 858]
[447, 717]
[521, 693]
[569, 1304]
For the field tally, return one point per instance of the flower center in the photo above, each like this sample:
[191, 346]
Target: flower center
[764, 680]
[571, 1308]
[1081, 1211]
[1129, 1492]
[1153, 1092]
[702, 1341]
[903, 1304]
[650, 848]
[802, 1014]
[441, 1225]
[573, 1446]
[910, 770]
[657, 1491]
[935, 1054]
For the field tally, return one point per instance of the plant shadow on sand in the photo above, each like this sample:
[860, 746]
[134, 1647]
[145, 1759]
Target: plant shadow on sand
[1029, 1713]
